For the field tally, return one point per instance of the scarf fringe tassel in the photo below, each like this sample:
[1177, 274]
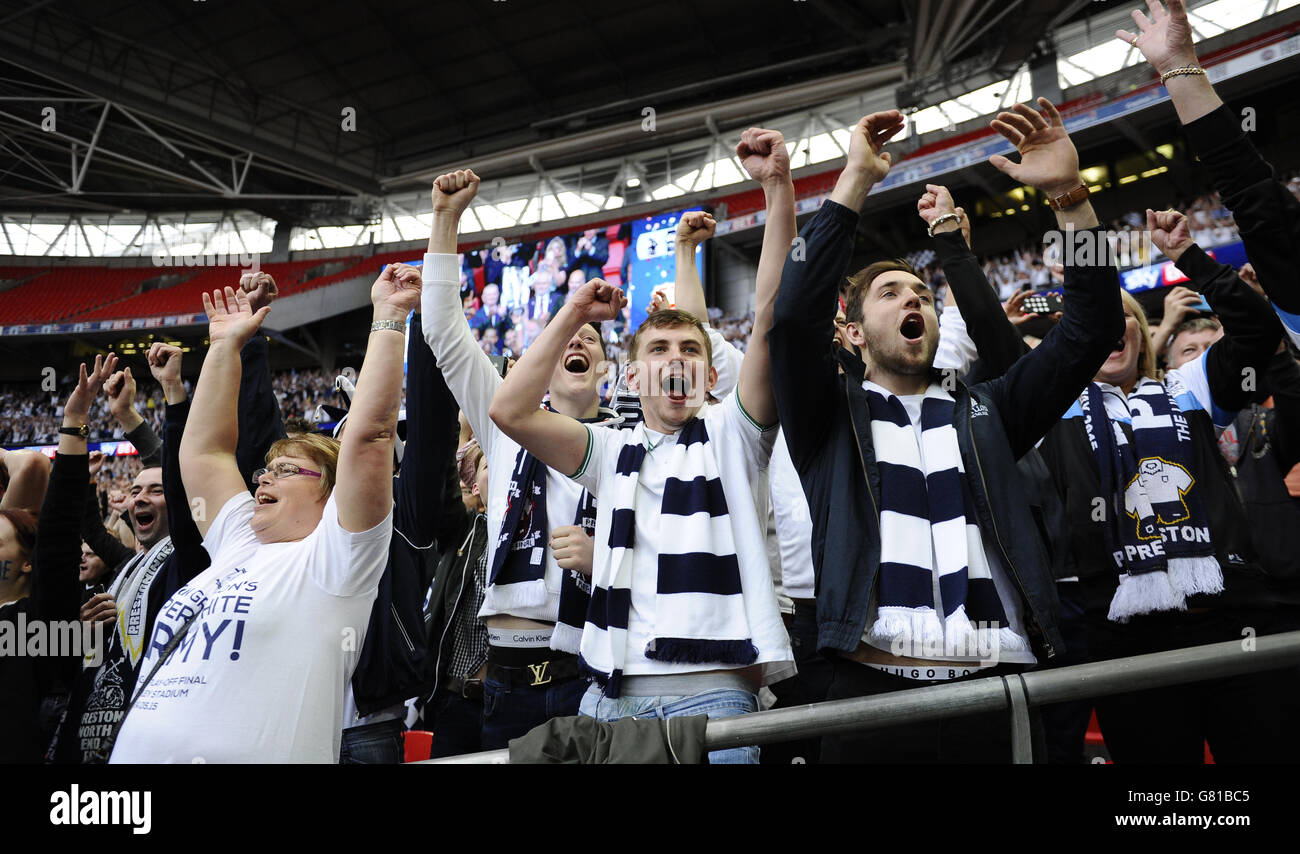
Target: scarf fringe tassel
[1191, 575]
[1144, 594]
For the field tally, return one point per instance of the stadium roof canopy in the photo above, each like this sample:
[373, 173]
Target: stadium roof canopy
[332, 117]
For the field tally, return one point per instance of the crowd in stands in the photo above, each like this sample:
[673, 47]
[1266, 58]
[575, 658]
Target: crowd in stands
[851, 491]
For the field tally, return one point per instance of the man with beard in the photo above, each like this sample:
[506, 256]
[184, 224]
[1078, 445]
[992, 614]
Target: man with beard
[173, 554]
[929, 565]
[539, 521]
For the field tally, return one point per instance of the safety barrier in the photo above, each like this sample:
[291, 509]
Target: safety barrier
[1014, 694]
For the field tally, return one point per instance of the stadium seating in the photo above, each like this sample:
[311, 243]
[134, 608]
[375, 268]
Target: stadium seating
[51, 295]
[186, 297]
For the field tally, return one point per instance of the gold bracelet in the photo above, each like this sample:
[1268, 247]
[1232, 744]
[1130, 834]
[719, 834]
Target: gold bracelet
[1178, 72]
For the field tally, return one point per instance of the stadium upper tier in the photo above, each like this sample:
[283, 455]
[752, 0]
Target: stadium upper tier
[84, 293]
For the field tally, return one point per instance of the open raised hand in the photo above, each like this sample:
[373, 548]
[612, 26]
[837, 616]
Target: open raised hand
[1048, 159]
[232, 318]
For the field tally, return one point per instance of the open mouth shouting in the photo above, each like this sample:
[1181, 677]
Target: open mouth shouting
[264, 498]
[913, 327]
[146, 519]
[576, 363]
[676, 385]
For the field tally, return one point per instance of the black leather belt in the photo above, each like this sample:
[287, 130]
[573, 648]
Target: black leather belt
[470, 689]
[556, 668]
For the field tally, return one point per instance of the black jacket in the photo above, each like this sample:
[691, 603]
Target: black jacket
[1269, 446]
[1266, 213]
[452, 585]
[828, 429]
[393, 665]
[55, 595]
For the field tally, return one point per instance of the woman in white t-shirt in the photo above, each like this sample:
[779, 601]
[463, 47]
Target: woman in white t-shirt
[257, 651]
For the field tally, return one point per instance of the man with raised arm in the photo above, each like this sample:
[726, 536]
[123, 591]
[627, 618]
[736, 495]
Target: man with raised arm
[38, 579]
[1267, 214]
[929, 564]
[683, 616]
[539, 521]
[249, 662]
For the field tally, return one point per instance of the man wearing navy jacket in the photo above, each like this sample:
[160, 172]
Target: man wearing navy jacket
[849, 439]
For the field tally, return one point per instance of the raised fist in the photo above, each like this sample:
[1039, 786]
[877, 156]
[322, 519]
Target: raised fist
[453, 192]
[120, 388]
[1170, 232]
[397, 288]
[763, 154]
[695, 227]
[260, 287]
[937, 202]
[164, 362]
[118, 501]
[598, 301]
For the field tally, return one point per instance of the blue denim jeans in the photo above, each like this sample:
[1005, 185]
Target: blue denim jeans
[720, 703]
[510, 712]
[373, 744]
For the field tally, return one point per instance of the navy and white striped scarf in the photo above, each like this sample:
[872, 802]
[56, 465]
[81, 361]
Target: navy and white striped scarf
[930, 540]
[1155, 525]
[699, 614]
[518, 572]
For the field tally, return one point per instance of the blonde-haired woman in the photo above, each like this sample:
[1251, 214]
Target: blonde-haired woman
[250, 661]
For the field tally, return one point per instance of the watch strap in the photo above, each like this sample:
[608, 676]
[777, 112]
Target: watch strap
[1068, 200]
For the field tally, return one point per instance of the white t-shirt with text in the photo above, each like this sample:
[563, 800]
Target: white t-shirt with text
[262, 672]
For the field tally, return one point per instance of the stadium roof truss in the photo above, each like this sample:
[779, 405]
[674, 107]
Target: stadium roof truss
[193, 131]
[197, 138]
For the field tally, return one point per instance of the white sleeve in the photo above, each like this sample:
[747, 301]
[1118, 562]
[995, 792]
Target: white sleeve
[755, 441]
[726, 360]
[1189, 384]
[602, 442]
[956, 349]
[231, 531]
[793, 523]
[345, 563]
[469, 373]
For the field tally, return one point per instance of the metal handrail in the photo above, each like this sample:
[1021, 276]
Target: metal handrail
[1015, 693]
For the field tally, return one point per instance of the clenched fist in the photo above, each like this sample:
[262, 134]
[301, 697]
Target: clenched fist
[1169, 232]
[573, 548]
[598, 301]
[763, 154]
[694, 228]
[453, 192]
